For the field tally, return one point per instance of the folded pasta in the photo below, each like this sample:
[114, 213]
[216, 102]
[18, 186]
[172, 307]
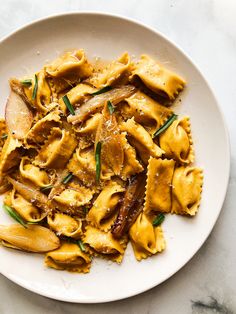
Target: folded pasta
[141, 140]
[145, 111]
[104, 244]
[68, 257]
[177, 142]
[152, 240]
[98, 161]
[56, 151]
[102, 214]
[186, 193]
[157, 78]
[112, 73]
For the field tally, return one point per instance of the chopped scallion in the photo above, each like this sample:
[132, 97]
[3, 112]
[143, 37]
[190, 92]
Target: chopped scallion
[35, 87]
[165, 125]
[101, 91]
[111, 108]
[158, 220]
[67, 178]
[68, 104]
[81, 246]
[14, 215]
[27, 82]
[46, 188]
[98, 160]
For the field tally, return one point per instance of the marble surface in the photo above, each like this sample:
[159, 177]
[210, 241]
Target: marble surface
[206, 30]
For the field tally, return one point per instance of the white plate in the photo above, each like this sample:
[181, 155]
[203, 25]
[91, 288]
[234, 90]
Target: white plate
[108, 36]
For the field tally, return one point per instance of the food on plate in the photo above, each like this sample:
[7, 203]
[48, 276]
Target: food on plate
[93, 158]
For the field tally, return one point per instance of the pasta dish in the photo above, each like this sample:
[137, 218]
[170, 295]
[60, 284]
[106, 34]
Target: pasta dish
[93, 157]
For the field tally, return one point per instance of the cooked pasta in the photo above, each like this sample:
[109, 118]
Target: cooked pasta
[90, 160]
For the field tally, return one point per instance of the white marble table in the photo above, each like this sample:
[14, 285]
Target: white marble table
[206, 30]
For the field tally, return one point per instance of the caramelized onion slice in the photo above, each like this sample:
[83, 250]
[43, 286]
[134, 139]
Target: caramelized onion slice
[34, 238]
[18, 116]
[58, 187]
[131, 205]
[31, 194]
[115, 95]
[112, 154]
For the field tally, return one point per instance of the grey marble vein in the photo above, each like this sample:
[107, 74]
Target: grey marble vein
[206, 30]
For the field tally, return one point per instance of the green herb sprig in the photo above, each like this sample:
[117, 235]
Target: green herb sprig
[68, 104]
[98, 160]
[46, 188]
[101, 91]
[27, 82]
[111, 108]
[158, 220]
[81, 245]
[165, 125]
[11, 212]
[67, 178]
[35, 87]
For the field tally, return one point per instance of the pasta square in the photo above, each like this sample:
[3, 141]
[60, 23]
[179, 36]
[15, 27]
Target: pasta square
[158, 187]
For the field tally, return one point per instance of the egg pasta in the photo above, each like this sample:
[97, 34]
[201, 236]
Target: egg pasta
[90, 160]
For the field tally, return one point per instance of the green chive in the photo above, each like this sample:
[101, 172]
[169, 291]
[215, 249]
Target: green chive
[67, 178]
[4, 136]
[81, 246]
[46, 188]
[98, 160]
[165, 125]
[101, 91]
[158, 220]
[68, 104]
[35, 87]
[85, 210]
[27, 82]
[110, 107]
[14, 215]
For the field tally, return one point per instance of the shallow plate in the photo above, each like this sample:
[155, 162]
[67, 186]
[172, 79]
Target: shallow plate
[108, 36]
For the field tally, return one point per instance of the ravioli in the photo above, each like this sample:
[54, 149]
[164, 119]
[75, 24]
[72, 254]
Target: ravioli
[157, 78]
[145, 111]
[65, 225]
[69, 257]
[112, 73]
[141, 140]
[103, 244]
[100, 162]
[177, 142]
[146, 239]
[56, 151]
[101, 215]
[26, 209]
[42, 101]
[71, 66]
[33, 173]
[159, 185]
[40, 131]
[186, 193]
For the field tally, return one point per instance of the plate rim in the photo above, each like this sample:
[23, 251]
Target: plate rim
[226, 134]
